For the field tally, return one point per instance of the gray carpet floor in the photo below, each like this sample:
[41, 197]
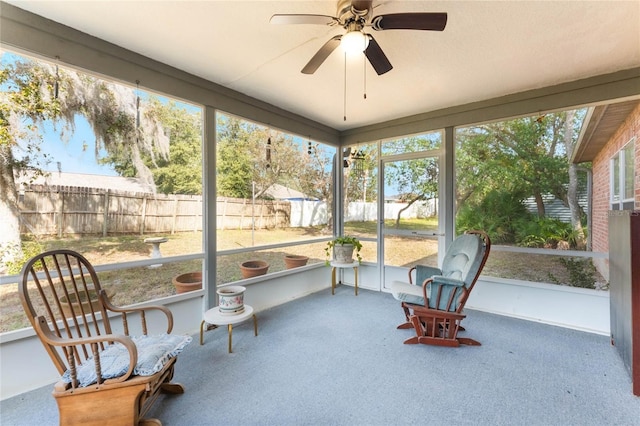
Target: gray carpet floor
[339, 360]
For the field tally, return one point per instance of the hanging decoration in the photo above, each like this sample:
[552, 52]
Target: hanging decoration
[56, 84]
[137, 104]
[345, 157]
[357, 162]
[268, 152]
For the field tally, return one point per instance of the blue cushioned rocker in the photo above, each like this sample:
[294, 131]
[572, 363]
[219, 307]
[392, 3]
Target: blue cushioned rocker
[433, 304]
[107, 377]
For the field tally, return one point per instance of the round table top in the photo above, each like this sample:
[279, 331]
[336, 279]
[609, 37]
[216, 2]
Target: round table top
[335, 264]
[213, 316]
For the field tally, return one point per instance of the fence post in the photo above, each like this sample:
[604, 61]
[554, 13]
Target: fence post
[196, 215]
[144, 214]
[105, 218]
[60, 212]
[244, 206]
[175, 214]
[224, 213]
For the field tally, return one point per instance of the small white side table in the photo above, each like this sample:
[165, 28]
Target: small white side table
[335, 265]
[213, 316]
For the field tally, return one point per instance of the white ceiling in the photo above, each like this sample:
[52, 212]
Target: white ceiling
[488, 49]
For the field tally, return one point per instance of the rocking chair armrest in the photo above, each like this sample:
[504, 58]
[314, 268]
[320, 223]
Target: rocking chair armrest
[423, 311]
[141, 310]
[423, 273]
[413, 268]
[442, 281]
[44, 332]
[439, 279]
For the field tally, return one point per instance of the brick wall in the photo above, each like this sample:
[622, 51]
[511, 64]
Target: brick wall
[601, 184]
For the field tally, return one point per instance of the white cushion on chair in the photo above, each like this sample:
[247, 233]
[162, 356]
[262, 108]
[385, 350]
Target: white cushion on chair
[406, 292]
[153, 354]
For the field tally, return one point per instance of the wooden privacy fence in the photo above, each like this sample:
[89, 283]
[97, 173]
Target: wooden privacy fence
[65, 210]
[241, 213]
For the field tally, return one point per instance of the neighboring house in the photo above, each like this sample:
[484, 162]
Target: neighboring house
[82, 180]
[610, 139]
[554, 207]
[281, 192]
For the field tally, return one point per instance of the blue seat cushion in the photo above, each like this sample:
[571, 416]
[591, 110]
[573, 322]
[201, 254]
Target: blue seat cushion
[153, 353]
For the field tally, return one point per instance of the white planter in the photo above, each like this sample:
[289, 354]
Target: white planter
[231, 300]
[343, 253]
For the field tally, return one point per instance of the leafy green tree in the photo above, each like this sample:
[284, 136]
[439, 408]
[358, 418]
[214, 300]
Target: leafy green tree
[520, 155]
[180, 170]
[250, 155]
[417, 179]
[525, 157]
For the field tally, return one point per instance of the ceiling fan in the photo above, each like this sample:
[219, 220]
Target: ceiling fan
[354, 16]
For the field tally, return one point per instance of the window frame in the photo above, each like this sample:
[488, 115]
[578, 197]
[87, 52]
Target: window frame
[617, 178]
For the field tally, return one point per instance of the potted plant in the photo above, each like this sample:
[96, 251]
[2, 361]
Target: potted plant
[343, 248]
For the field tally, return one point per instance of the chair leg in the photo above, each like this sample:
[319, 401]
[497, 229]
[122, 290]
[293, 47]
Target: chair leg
[172, 388]
[149, 422]
[438, 341]
[469, 342]
[407, 324]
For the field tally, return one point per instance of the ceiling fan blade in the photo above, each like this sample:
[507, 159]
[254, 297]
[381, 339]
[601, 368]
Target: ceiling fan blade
[376, 57]
[303, 19]
[321, 55]
[410, 21]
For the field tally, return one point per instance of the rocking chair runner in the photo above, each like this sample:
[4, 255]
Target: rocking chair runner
[107, 378]
[433, 305]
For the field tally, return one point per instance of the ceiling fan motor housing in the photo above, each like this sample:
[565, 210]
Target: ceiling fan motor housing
[350, 10]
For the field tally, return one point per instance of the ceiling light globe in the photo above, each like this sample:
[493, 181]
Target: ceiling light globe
[354, 42]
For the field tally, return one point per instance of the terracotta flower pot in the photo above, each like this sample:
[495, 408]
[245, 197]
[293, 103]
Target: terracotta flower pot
[187, 282]
[294, 260]
[84, 301]
[253, 268]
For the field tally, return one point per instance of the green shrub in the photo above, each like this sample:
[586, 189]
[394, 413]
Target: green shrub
[544, 232]
[30, 248]
[496, 214]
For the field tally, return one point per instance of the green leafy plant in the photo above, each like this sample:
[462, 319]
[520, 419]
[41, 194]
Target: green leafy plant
[20, 256]
[343, 240]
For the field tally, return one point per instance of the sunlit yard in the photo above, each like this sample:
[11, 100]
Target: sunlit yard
[135, 285]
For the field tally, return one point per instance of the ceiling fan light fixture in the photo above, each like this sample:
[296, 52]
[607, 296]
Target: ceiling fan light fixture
[354, 42]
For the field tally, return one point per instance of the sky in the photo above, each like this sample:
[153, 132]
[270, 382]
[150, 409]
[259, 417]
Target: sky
[76, 154]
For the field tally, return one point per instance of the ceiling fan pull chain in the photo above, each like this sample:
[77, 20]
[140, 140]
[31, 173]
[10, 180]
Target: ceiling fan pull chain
[345, 86]
[364, 69]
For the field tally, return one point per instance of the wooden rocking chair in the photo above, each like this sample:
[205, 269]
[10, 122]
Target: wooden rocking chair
[433, 305]
[108, 377]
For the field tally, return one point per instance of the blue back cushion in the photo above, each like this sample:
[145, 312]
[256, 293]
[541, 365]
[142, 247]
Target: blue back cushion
[463, 258]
